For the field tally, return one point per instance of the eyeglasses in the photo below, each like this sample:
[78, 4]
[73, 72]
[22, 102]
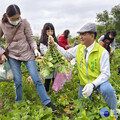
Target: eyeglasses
[85, 33]
[14, 19]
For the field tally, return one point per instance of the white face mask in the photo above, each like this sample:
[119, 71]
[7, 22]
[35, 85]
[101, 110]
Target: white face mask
[15, 22]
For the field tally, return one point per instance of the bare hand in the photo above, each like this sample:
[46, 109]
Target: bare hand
[3, 57]
[112, 52]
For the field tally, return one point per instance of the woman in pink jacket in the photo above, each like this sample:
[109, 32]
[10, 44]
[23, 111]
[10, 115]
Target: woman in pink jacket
[63, 40]
[23, 48]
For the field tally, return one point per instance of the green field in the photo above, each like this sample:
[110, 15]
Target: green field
[66, 100]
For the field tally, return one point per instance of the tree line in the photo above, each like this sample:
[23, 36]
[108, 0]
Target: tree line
[109, 21]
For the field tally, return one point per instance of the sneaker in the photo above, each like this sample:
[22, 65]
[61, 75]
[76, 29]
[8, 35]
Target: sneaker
[50, 105]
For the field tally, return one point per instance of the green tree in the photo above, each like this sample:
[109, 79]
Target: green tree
[115, 12]
[109, 21]
[104, 18]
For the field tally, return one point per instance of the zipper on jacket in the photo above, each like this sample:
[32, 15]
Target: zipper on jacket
[86, 67]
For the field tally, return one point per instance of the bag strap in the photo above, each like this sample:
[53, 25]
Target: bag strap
[13, 35]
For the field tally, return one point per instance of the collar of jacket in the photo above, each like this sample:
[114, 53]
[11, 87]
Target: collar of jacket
[95, 48]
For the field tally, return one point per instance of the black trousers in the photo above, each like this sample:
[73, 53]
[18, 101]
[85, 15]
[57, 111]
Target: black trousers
[47, 84]
[119, 70]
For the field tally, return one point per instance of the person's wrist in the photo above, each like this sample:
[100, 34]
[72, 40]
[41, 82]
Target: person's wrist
[93, 85]
[35, 48]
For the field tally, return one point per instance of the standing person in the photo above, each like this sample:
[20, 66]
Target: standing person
[23, 48]
[63, 40]
[109, 39]
[48, 30]
[93, 66]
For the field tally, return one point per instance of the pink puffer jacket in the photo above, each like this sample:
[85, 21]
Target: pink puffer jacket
[23, 43]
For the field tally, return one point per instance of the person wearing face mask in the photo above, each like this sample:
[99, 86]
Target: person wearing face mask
[23, 48]
[14, 22]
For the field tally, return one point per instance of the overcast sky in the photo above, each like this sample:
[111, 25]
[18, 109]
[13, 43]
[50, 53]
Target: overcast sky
[64, 14]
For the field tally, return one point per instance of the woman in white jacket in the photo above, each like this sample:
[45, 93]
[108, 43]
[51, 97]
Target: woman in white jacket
[48, 29]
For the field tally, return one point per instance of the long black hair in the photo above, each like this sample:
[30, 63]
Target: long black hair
[44, 37]
[10, 11]
[66, 32]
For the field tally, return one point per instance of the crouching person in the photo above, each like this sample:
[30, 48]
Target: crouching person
[93, 66]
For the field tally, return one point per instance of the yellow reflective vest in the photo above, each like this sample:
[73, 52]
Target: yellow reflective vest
[88, 71]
